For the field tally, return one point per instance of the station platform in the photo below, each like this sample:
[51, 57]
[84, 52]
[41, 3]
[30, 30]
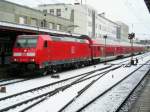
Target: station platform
[142, 104]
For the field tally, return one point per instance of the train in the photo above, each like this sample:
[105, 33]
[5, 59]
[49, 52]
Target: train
[49, 53]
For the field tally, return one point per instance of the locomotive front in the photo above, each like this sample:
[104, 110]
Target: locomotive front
[24, 52]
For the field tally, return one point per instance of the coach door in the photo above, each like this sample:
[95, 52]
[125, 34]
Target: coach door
[102, 51]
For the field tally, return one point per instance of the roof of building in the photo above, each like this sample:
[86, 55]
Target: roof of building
[53, 4]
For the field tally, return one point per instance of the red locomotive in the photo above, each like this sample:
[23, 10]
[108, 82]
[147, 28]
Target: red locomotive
[48, 53]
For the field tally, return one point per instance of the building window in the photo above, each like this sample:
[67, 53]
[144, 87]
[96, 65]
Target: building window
[66, 9]
[58, 27]
[51, 11]
[100, 35]
[22, 20]
[96, 35]
[43, 23]
[90, 34]
[90, 24]
[45, 11]
[96, 26]
[51, 25]
[100, 27]
[58, 12]
[33, 22]
[89, 12]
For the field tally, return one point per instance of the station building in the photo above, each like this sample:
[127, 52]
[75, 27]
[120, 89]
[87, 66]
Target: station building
[17, 19]
[124, 30]
[86, 19]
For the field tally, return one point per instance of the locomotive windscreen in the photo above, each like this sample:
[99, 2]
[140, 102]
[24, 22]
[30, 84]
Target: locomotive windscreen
[26, 42]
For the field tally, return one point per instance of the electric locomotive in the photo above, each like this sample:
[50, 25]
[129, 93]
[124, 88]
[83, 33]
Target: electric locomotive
[48, 53]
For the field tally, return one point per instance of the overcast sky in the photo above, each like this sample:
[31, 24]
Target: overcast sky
[132, 12]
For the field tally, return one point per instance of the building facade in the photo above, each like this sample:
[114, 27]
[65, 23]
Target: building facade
[14, 13]
[124, 29]
[86, 19]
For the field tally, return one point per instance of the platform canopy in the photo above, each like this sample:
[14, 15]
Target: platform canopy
[32, 29]
[147, 2]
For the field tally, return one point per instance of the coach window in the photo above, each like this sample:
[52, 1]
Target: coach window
[45, 44]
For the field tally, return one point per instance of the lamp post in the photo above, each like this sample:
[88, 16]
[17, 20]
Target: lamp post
[105, 37]
[130, 37]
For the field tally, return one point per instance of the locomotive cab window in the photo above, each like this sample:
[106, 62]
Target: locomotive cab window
[45, 44]
[26, 42]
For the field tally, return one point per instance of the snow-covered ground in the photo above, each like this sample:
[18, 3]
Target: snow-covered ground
[10, 81]
[53, 104]
[103, 84]
[112, 100]
[56, 102]
[27, 85]
[23, 86]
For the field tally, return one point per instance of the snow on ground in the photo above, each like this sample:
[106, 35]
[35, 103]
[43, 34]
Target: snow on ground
[101, 85]
[111, 101]
[98, 87]
[56, 102]
[10, 81]
[62, 98]
[14, 100]
[22, 86]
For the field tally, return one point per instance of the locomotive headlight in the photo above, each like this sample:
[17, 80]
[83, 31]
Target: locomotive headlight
[31, 54]
[15, 59]
[32, 60]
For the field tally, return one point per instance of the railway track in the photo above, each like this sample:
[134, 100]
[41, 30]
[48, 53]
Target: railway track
[88, 103]
[11, 81]
[117, 100]
[49, 90]
[37, 95]
[3, 80]
[80, 80]
[127, 97]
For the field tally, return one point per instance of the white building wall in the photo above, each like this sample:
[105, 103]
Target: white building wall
[105, 27]
[83, 20]
[65, 9]
[124, 30]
